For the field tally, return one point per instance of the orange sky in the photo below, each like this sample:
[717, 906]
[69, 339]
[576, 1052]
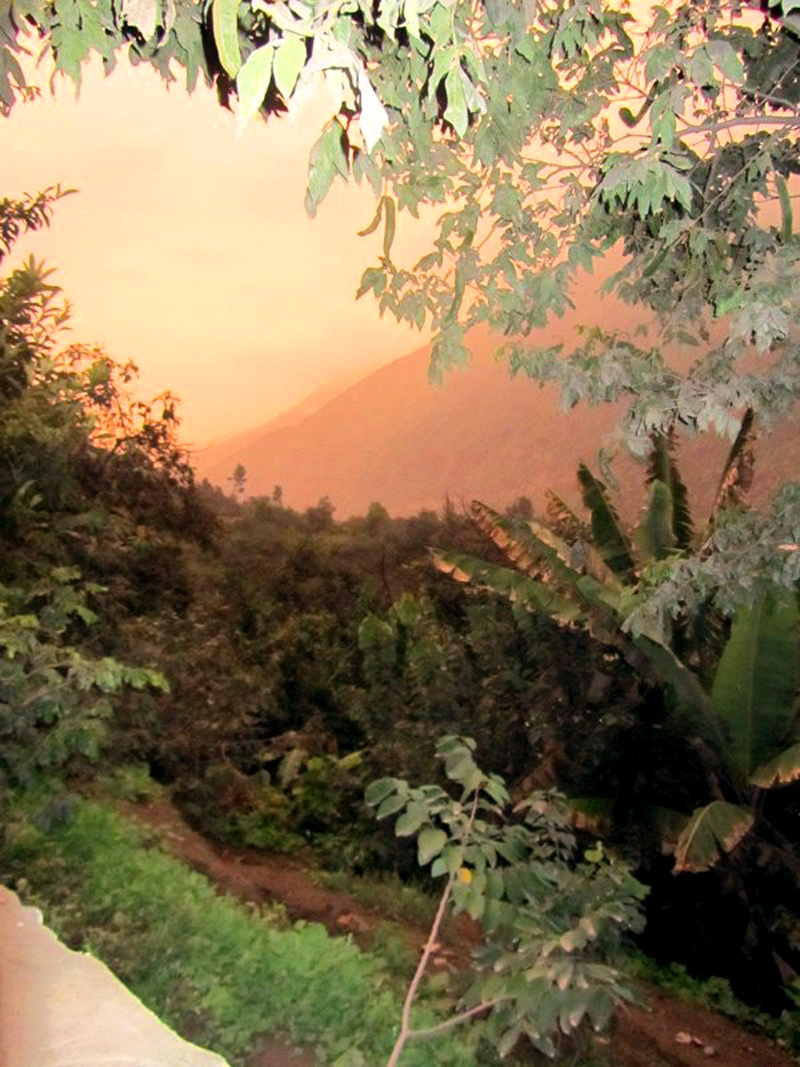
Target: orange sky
[188, 249]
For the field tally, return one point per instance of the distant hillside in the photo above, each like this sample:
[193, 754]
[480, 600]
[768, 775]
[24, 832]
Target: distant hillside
[396, 439]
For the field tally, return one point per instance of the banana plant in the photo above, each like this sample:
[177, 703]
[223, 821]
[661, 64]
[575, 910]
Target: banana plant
[754, 695]
[742, 704]
[591, 574]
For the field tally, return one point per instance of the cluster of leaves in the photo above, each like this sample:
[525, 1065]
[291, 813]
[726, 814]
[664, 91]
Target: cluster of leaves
[551, 914]
[307, 643]
[547, 133]
[729, 688]
[54, 701]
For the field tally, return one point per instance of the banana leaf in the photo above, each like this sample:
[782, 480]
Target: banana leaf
[655, 535]
[780, 770]
[711, 831]
[528, 544]
[661, 466]
[609, 536]
[529, 593]
[596, 815]
[756, 682]
[563, 520]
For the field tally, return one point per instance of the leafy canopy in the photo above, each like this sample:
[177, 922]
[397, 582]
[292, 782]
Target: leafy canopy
[548, 133]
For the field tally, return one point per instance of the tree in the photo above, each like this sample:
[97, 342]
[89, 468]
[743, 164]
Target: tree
[552, 914]
[548, 134]
[239, 479]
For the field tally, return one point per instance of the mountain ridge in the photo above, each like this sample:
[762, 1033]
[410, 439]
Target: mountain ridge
[393, 438]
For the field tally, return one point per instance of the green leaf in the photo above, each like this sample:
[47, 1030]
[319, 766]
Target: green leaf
[780, 770]
[411, 819]
[690, 697]
[380, 790]
[328, 158]
[225, 26]
[456, 111]
[390, 805]
[252, 83]
[429, 844]
[517, 588]
[655, 532]
[661, 466]
[610, 538]
[290, 58]
[756, 681]
[715, 829]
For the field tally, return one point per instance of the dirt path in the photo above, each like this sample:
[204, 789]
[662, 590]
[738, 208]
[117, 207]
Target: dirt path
[672, 1033]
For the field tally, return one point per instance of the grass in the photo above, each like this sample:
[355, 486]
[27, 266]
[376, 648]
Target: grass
[215, 971]
[386, 893]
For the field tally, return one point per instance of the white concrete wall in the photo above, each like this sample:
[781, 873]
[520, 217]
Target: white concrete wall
[60, 1008]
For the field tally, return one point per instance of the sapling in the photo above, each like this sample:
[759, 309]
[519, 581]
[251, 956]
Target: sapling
[550, 912]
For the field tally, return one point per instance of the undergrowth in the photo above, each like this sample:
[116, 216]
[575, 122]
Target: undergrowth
[716, 994]
[217, 972]
[385, 893]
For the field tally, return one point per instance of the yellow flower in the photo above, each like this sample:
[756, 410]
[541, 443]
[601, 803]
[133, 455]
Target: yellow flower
[465, 875]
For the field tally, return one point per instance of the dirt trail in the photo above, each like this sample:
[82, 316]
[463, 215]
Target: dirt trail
[672, 1033]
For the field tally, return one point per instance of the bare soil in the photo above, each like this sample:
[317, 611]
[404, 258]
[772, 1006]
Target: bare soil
[670, 1033]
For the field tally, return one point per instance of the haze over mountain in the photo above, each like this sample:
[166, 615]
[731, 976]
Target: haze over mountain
[394, 438]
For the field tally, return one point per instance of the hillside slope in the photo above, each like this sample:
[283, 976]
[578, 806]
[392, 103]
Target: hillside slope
[396, 439]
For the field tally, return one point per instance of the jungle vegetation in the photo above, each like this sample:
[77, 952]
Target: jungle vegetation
[268, 665]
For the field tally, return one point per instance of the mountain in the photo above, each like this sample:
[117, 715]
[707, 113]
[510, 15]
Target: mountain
[394, 438]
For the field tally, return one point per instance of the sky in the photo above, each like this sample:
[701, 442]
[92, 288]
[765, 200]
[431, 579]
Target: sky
[187, 249]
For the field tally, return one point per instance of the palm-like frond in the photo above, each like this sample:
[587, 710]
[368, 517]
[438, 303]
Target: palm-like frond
[563, 520]
[711, 831]
[529, 545]
[521, 590]
[608, 533]
[737, 474]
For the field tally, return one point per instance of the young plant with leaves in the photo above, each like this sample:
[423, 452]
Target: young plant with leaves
[550, 914]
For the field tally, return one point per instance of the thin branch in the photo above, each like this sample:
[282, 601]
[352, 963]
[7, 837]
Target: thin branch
[454, 1020]
[754, 120]
[430, 944]
[405, 1019]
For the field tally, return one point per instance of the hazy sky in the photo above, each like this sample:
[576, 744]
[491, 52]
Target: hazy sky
[188, 249]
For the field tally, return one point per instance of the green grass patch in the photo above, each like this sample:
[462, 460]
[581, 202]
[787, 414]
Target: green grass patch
[217, 972]
[387, 894]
